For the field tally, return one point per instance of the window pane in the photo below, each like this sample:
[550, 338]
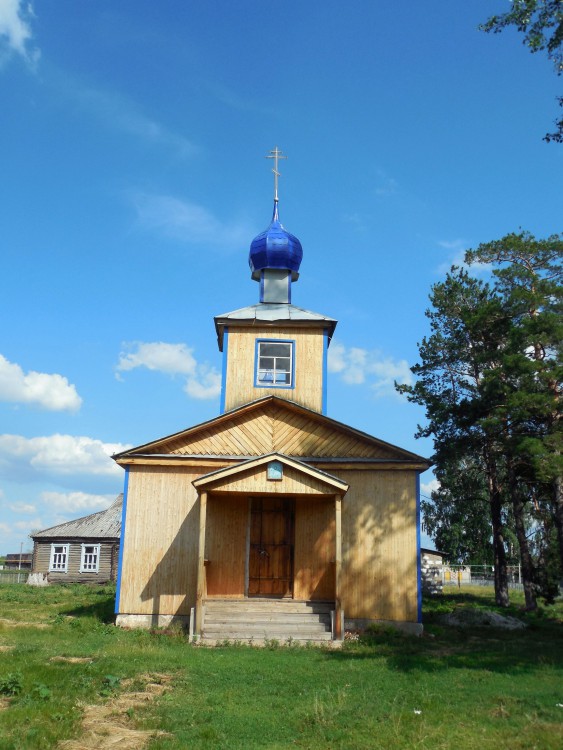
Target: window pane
[275, 350]
[283, 363]
[266, 363]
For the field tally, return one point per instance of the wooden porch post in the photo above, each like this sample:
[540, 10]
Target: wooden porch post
[201, 564]
[337, 575]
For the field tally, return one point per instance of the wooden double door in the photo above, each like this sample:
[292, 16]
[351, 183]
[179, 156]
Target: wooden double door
[272, 539]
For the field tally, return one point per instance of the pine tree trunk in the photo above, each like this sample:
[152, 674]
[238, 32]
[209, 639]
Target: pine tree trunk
[558, 502]
[499, 552]
[528, 572]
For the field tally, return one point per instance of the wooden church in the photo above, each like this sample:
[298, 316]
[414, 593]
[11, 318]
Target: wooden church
[271, 520]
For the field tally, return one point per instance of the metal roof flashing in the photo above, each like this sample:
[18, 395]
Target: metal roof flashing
[272, 313]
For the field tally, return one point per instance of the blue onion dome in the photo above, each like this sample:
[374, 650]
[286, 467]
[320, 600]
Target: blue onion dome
[275, 248]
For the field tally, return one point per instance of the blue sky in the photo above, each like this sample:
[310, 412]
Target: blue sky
[133, 181]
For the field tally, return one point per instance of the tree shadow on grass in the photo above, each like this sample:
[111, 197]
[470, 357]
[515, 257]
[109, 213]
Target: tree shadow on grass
[446, 647]
[102, 609]
[455, 648]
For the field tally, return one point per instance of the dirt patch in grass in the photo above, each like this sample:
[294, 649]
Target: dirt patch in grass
[3, 647]
[109, 725]
[73, 659]
[21, 624]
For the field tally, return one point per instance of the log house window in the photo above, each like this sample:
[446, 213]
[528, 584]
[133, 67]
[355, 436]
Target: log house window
[90, 558]
[59, 558]
[274, 367]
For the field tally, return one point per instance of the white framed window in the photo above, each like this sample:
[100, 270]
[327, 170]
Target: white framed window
[59, 558]
[274, 363]
[90, 558]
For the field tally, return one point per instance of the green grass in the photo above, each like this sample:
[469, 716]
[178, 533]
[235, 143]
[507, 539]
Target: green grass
[449, 689]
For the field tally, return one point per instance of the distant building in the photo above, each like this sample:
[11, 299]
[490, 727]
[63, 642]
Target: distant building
[85, 550]
[431, 564]
[18, 561]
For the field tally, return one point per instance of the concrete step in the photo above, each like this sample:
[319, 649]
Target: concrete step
[274, 605]
[267, 619]
[274, 635]
[311, 628]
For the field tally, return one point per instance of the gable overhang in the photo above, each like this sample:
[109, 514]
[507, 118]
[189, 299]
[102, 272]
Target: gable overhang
[225, 479]
[156, 451]
[274, 314]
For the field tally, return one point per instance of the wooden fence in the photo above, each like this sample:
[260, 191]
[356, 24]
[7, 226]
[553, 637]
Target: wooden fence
[13, 576]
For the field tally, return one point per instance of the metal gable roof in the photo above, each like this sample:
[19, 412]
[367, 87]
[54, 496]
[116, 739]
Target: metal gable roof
[271, 312]
[103, 524]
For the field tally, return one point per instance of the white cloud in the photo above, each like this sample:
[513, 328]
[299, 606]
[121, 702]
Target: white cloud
[188, 222]
[174, 359]
[385, 185]
[76, 501]
[5, 528]
[388, 187]
[31, 524]
[457, 250]
[58, 456]
[355, 220]
[52, 392]
[206, 386]
[15, 30]
[429, 487]
[25, 508]
[202, 380]
[357, 366]
[120, 113]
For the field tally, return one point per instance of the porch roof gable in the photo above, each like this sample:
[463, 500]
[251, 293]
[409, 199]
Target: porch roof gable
[213, 478]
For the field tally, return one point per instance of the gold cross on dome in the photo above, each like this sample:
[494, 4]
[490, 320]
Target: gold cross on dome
[275, 154]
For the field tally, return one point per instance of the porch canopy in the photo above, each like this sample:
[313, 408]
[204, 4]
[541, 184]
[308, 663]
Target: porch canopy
[271, 526]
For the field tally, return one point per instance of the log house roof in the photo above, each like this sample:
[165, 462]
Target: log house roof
[105, 524]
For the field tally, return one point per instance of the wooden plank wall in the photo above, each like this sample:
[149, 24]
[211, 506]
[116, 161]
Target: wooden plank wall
[379, 571]
[255, 482]
[274, 427]
[314, 549]
[379, 565]
[160, 550]
[225, 549]
[106, 572]
[308, 389]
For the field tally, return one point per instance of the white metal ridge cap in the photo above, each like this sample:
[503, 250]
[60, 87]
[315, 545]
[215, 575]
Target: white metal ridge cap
[272, 311]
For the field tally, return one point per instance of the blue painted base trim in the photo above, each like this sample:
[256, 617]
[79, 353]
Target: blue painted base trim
[325, 370]
[224, 370]
[418, 561]
[122, 540]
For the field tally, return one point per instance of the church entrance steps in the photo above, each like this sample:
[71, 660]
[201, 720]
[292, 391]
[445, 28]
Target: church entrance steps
[267, 619]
